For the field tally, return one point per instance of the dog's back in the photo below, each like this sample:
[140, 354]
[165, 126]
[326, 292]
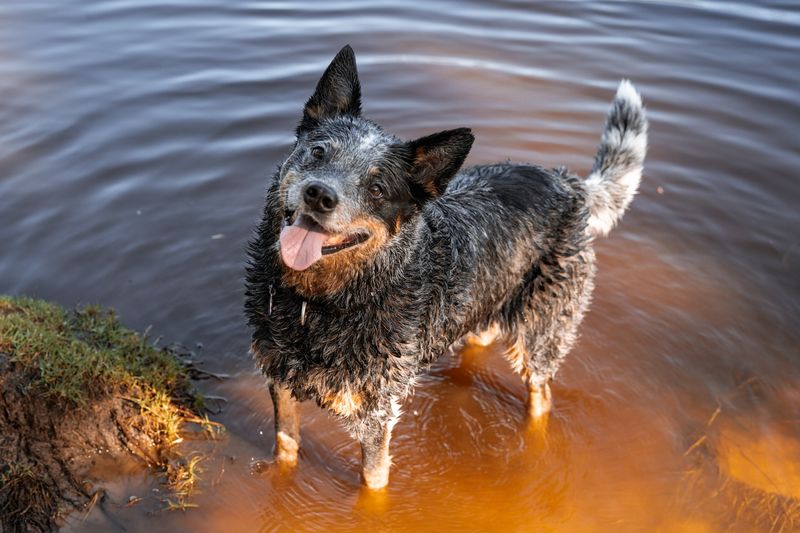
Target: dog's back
[515, 241]
[492, 231]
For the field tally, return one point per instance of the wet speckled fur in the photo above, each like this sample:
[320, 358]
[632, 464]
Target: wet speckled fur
[504, 246]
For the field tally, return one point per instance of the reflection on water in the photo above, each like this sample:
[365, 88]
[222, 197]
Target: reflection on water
[135, 142]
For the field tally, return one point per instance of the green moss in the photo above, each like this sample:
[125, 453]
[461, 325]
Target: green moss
[71, 360]
[81, 355]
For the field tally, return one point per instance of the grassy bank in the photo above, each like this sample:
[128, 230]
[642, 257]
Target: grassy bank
[72, 382]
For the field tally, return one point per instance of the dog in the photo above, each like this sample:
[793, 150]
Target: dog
[375, 255]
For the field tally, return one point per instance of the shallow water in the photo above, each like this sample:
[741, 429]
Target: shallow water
[136, 138]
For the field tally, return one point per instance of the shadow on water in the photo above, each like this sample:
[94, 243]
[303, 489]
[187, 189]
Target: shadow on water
[135, 143]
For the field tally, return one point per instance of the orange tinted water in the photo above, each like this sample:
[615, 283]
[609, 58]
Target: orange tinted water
[135, 142]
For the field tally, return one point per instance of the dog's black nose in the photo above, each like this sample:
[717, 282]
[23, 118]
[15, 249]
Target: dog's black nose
[319, 197]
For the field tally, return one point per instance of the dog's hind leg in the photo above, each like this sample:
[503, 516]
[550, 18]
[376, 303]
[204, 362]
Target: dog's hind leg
[536, 356]
[542, 332]
[540, 400]
[287, 425]
[374, 433]
[536, 379]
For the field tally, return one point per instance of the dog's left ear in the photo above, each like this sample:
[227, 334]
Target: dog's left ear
[436, 158]
[338, 92]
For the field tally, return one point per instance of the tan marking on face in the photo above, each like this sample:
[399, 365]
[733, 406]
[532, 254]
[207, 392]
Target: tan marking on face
[343, 403]
[333, 272]
[374, 171]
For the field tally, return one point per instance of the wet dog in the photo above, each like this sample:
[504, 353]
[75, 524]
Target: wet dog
[376, 254]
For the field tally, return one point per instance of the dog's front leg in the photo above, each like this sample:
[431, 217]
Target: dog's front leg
[287, 425]
[375, 434]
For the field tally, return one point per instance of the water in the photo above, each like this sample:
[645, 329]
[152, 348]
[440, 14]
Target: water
[136, 138]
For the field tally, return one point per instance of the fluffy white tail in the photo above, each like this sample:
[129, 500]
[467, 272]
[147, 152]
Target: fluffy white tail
[617, 169]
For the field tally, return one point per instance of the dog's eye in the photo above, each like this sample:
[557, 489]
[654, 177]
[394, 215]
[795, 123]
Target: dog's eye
[376, 191]
[317, 152]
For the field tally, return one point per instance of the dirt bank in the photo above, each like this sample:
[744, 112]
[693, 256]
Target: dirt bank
[76, 386]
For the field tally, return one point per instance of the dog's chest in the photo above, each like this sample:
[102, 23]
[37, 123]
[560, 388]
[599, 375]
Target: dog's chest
[312, 341]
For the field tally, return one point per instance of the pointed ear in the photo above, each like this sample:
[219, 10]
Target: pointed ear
[436, 158]
[338, 92]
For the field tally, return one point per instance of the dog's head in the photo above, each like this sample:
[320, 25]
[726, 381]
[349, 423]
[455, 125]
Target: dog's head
[348, 188]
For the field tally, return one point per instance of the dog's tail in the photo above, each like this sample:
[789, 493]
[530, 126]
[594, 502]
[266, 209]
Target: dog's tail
[617, 169]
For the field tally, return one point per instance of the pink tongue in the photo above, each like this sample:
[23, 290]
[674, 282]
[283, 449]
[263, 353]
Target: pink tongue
[301, 243]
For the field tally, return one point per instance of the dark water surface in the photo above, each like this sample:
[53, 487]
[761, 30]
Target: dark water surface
[136, 138]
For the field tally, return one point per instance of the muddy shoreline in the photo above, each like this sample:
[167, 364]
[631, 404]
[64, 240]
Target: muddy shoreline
[108, 403]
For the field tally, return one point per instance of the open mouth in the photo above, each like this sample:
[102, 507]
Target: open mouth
[337, 243]
[304, 241]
